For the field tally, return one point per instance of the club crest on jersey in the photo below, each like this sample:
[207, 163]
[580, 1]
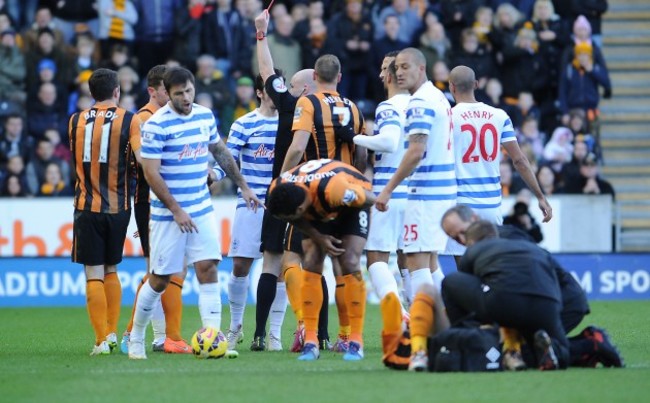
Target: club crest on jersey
[278, 85]
[349, 196]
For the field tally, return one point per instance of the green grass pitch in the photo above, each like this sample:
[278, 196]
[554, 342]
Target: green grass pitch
[44, 358]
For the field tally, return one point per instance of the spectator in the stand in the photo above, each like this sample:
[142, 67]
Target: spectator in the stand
[128, 80]
[440, 79]
[12, 186]
[521, 218]
[81, 90]
[224, 37]
[16, 166]
[434, 44]
[552, 36]
[580, 80]
[85, 54]
[380, 48]
[482, 26]
[494, 96]
[22, 11]
[409, 21]
[524, 6]
[187, 37]
[578, 125]
[212, 81]
[571, 170]
[246, 100]
[117, 19]
[475, 56]
[314, 42]
[389, 41]
[546, 179]
[524, 108]
[506, 24]
[582, 35]
[456, 16]
[69, 14]
[349, 36]
[46, 111]
[61, 150]
[14, 142]
[530, 134]
[42, 19]
[589, 181]
[12, 69]
[285, 50]
[154, 32]
[524, 69]
[36, 169]
[205, 99]
[119, 56]
[558, 150]
[54, 183]
[127, 102]
[46, 49]
[299, 12]
[47, 73]
[593, 10]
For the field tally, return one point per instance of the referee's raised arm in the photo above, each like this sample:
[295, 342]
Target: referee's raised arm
[264, 59]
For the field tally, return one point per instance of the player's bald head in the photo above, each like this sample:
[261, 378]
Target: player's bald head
[463, 78]
[302, 82]
[415, 55]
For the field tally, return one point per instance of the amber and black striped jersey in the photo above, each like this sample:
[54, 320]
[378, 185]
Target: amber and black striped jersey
[141, 186]
[102, 140]
[320, 114]
[331, 186]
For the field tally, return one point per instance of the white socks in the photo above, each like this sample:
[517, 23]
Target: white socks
[406, 284]
[158, 323]
[419, 277]
[382, 279]
[437, 277]
[144, 307]
[278, 309]
[210, 305]
[237, 295]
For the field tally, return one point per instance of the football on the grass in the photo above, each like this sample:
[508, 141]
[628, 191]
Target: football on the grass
[209, 342]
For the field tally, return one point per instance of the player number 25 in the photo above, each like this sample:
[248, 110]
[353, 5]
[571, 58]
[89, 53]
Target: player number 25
[470, 155]
[410, 233]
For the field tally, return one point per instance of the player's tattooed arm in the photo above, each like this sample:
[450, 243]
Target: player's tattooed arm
[227, 163]
[418, 138]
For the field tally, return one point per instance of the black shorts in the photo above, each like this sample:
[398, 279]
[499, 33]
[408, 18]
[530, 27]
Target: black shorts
[141, 211]
[293, 240]
[351, 221]
[98, 238]
[273, 230]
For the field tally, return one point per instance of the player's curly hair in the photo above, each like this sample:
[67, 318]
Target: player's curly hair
[285, 198]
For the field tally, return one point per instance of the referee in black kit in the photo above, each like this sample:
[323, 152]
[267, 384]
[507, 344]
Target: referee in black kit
[285, 255]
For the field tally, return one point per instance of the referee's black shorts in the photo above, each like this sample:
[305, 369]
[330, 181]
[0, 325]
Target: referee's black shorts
[141, 211]
[98, 238]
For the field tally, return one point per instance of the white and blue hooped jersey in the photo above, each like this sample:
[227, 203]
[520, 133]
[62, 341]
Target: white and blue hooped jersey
[390, 112]
[429, 113]
[181, 144]
[479, 131]
[252, 143]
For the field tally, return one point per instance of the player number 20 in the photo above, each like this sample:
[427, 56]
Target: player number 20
[470, 155]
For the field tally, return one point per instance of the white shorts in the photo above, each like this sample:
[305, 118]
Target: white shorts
[422, 230]
[454, 248]
[169, 246]
[246, 235]
[492, 214]
[387, 228]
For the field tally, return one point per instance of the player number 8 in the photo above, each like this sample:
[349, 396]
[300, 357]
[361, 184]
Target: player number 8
[363, 219]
